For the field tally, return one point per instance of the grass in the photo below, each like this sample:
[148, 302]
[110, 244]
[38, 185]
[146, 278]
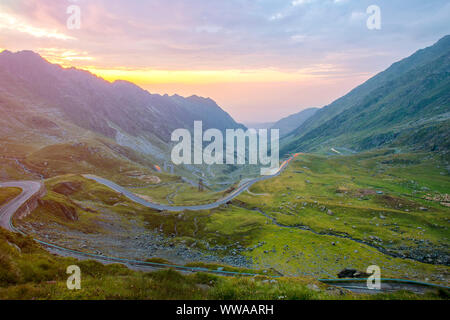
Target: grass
[375, 200]
[29, 272]
[7, 194]
[348, 186]
[180, 193]
[221, 267]
[231, 227]
[75, 203]
[302, 197]
[297, 252]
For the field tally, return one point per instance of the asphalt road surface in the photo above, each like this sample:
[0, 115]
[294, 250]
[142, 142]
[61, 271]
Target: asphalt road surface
[29, 189]
[242, 187]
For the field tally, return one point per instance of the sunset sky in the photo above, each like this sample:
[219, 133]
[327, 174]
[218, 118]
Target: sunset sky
[259, 59]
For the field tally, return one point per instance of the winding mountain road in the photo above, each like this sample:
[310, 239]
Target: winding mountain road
[241, 188]
[29, 189]
[33, 188]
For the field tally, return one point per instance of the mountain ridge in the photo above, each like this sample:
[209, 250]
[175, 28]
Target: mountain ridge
[372, 114]
[287, 124]
[84, 91]
[52, 115]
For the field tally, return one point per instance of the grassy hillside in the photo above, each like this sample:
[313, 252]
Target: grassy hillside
[29, 272]
[380, 198]
[407, 105]
[323, 214]
[7, 194]
[292, 122]
[60, 121]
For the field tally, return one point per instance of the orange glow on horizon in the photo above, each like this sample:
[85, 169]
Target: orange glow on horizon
[279, 92]
[67, 58]
[146, 77]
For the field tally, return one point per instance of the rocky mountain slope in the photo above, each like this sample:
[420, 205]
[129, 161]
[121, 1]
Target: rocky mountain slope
[408, 105]
[121, 110]
[56, 120]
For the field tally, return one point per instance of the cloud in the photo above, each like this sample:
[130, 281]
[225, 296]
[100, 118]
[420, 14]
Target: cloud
[13, 23]
[298, 38]
[358, 16]
[300, 2]
[64, 56]
[234, 34]
[201, 38]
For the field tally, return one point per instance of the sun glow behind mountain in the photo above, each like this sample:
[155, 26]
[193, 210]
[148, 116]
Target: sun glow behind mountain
[260, 61]
[201, 76]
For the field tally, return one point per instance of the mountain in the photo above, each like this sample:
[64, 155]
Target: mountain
[120, 110]
[64, 120]
[259, 125]
[407, 105]
[288, 124]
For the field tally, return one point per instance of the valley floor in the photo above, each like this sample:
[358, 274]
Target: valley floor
[323, 214]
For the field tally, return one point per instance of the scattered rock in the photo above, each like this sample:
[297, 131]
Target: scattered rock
[352, 273]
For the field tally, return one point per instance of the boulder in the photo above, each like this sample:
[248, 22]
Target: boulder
[352, 273]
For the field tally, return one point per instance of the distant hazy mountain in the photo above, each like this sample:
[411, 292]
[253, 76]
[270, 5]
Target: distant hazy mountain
[46, 92]
[406, 105]
[259, 125]
[292, 122]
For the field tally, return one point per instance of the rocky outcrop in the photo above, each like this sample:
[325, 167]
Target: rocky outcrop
[66, 211]
[352, 273]
[67, 188]
[28, 206]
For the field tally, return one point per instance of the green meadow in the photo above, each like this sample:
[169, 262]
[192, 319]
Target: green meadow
[321, 215]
